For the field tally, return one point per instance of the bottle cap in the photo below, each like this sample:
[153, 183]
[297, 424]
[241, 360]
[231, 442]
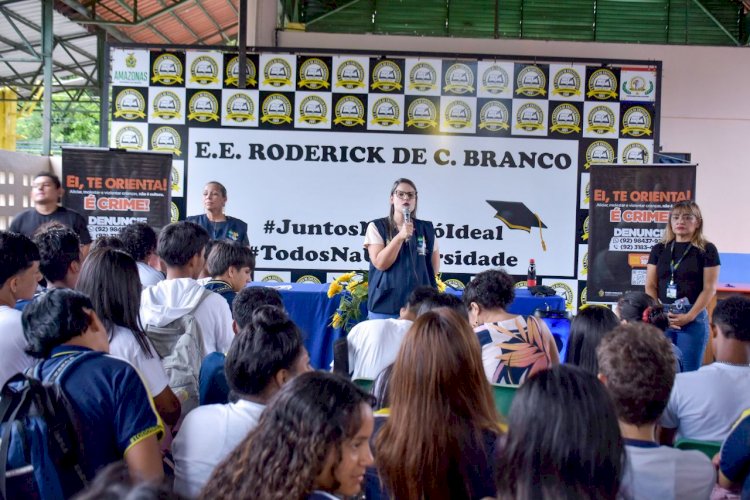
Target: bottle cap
[531, 261]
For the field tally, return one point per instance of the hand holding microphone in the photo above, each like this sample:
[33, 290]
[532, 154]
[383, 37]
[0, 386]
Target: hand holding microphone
[408, 228]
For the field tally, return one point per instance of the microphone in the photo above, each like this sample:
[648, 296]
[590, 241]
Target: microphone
[407, 217]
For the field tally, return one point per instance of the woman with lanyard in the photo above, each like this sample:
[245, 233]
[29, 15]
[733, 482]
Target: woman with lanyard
[403, 253]
[682, 272]
[219, 225]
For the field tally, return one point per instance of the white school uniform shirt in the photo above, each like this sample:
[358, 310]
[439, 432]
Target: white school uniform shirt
[208, 434]
[661, 473]
[704, 404]
[13, 358]
[374, 344]
[124, 345]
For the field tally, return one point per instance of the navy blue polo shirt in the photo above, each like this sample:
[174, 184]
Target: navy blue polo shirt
[112, 403]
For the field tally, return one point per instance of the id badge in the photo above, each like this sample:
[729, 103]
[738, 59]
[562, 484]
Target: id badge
[421, 246]
[671, 291]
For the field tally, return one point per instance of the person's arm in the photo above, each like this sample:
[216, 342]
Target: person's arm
[383, 256]
[710, 281]
[436, 261]
[652, 281]
[168, 405]
[144, 460]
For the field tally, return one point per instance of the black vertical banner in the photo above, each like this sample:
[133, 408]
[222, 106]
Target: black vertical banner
[114, 188]
[628, 210]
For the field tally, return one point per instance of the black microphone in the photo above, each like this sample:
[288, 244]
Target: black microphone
[407, 217]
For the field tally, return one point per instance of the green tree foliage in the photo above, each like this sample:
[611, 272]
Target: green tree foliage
[73, 123]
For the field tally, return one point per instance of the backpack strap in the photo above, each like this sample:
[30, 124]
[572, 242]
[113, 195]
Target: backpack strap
[21, 400]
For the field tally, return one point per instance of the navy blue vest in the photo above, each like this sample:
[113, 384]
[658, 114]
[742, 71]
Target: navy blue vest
[389, 289]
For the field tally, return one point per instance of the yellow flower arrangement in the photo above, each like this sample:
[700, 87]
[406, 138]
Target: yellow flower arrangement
[354, 288]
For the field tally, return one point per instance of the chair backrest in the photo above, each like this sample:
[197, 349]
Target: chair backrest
[364, 383]
[708, 448]
[504, 395]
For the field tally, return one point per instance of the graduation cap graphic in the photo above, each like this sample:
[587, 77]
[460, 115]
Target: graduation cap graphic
[516, 215]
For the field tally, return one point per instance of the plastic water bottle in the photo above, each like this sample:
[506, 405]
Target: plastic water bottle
[531, 274]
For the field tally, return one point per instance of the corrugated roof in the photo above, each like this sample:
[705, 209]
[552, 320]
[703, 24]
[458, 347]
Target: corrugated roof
[179, 22]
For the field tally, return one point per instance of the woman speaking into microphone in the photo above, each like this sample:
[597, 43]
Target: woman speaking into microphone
[682, 273]
[403, 253]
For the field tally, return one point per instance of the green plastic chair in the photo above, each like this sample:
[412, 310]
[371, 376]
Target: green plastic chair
[708, 448]
[504, 395]
[364, 383]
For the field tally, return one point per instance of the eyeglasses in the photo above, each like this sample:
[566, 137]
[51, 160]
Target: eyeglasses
[685, 217]
[406, 195]
[42, 185]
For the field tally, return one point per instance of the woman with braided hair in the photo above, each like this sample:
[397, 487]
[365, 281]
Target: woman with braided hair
[312, 442]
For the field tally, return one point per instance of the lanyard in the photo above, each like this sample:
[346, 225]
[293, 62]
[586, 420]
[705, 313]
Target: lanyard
[672, 265]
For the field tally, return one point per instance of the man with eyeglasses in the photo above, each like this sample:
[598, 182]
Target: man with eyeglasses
[46, 191]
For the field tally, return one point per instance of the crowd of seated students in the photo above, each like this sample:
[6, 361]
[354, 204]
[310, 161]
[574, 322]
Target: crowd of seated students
[266, 428]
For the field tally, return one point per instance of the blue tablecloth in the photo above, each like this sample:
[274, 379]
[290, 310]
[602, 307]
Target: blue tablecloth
[311, 309]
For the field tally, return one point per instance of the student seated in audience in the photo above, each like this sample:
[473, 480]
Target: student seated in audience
[264, 356]
[587, 329]
[502, 334]
[110, 278]
[637, 366]
[181, 246]
[114, 482]
[113, 242]
[311, 442]
[563, 440]
[106, 392]
[705, 403]
[634, 307]
[19, 275]
[433, 301]
[140, 242]
[213, 380]
[231, 267]
[439, 438]
[734, 464]
[60, 255]
[373, 344]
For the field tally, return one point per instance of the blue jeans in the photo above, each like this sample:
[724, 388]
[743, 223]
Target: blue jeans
[374, 315]
[691, 340]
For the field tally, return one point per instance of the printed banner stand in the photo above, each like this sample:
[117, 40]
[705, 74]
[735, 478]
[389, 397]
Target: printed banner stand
[629, 209]
[113, 188]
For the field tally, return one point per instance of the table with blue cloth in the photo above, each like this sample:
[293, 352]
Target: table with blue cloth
[310, 308]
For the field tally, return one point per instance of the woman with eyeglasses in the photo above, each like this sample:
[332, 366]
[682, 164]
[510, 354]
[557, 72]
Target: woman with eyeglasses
[403, 253]
[682, 273]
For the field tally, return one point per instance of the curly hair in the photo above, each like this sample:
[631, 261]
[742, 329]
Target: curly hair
[639, 364]
[282, 457]
[491, 289]
[139, 239]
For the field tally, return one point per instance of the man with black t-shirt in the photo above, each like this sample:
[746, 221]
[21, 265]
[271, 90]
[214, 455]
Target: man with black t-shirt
[46, 191]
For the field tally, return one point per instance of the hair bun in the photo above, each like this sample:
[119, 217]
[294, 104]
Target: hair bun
[269, 317]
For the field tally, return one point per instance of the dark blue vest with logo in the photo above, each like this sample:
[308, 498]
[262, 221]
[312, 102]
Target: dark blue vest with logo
[389, 289]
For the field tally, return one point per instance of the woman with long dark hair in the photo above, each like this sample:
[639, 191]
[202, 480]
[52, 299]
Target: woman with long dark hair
[110, 278]
[438, 441]
[682, 273]
[587, 330]
[311, 442]
[403, 253]
[219, 225]
[563, 440]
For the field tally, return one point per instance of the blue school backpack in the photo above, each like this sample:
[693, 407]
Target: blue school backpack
[40, 449]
